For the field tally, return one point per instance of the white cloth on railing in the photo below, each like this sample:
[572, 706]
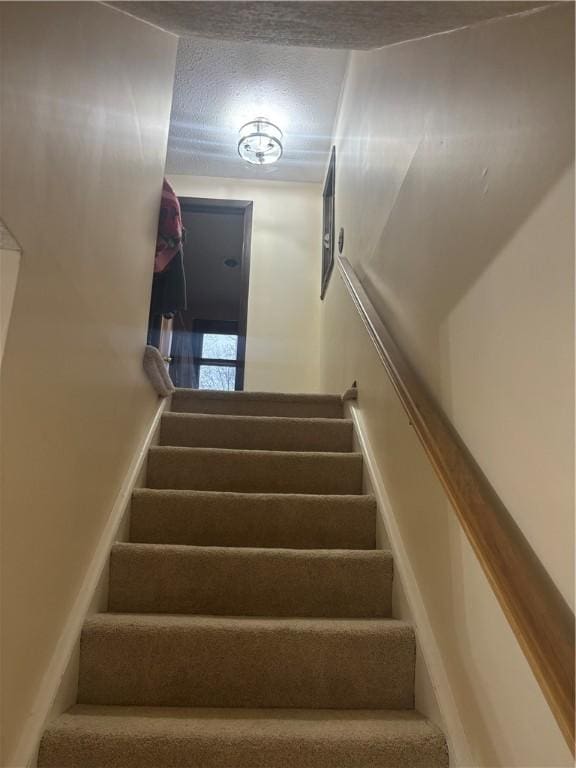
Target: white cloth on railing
[155, 369]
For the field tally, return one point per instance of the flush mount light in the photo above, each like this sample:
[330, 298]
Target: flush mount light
[260, 142]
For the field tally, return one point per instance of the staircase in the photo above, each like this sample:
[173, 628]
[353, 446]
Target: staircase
[249, 621]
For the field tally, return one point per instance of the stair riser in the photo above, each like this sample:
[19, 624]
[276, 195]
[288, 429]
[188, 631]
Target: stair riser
[238, 520]
[249, 582]
[254, 472]
[258, 740]
[216, 666]
[256, 434]
[294, 409]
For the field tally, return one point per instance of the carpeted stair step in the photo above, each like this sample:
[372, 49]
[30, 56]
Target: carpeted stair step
[161, 578]
[255, 432]
[246, 662]
[116, 737]
[257, 404]
[224, 469]
[216, 519]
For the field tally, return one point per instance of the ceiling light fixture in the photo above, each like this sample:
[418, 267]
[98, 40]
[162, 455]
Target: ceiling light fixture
[260, 142]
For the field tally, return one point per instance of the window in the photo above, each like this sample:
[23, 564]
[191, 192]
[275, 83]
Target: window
[217, 361]
[217, 377]
[221, 346]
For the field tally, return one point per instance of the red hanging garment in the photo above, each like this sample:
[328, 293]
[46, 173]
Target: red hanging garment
[169, 239]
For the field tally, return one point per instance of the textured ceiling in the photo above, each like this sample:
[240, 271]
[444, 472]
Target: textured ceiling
[221, 85]
[284, 61]
[322, 24]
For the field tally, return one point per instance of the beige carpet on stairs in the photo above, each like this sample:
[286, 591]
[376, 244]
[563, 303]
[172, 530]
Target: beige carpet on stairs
[249, 621]
[257, 404]
[218, 519]
[225, 469]
[227, 581]
[268, 433]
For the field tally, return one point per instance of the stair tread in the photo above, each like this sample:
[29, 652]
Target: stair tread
[168, 737]
[263, 497]
[248, 452]
[264, 553]
[238, 418]
[305, 397]
[335, 626]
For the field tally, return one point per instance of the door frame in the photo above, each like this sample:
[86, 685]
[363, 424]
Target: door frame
[245, 209]
[328, 223]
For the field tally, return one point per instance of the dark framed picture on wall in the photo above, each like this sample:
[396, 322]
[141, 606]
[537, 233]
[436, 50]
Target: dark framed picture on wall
[328, 216]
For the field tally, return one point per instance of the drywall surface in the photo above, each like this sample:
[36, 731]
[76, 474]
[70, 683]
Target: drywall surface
[284, 294]
[455, 187]
[86, 96]
[484, 687]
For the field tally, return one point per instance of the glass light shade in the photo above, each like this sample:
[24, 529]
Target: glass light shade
[260, 142]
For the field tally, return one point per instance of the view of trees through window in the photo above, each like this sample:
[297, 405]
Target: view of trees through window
[217, 377]
[218, 346]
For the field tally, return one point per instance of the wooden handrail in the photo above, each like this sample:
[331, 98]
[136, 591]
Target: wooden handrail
[538, 614]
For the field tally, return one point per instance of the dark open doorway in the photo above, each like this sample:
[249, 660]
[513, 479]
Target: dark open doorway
[209, 337]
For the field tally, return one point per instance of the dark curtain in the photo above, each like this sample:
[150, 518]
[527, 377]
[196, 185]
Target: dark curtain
[183, 370]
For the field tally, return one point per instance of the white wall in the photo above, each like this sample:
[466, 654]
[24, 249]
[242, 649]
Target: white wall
[454, 184]
[85, 110]
[486, 692]
[455, 190]
[282, 349]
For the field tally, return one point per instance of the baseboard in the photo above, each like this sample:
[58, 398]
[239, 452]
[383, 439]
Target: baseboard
[59, 685]
[434, 696]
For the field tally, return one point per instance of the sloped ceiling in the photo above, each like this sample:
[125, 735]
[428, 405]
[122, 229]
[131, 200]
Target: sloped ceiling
[284, 61]
[323, 23]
